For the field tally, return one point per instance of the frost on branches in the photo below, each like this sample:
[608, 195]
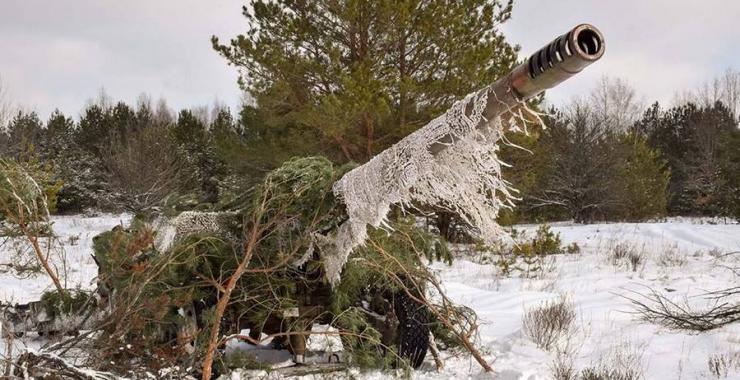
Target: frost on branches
[464, 178]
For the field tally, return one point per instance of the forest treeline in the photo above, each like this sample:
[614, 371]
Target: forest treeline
[681, 160]
[606, 158]
[345, 88]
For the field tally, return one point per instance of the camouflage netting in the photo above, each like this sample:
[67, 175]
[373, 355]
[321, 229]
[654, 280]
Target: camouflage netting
[286, 270]
[465, 178]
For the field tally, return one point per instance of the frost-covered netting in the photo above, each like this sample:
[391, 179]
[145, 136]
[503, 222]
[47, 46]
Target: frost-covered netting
[464, 178]
[172, 230]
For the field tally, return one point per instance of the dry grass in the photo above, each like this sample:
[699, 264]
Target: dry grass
[623, 362]
[721, 366]
[624, 253]
[547, 324]
[722, 309]
[671, 257]
[562, 368]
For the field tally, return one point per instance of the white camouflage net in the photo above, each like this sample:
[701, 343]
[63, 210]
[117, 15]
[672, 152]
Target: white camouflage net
[187, 223]
[465, 178]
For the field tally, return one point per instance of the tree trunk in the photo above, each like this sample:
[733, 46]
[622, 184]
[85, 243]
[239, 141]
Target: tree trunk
[44, 261]
[226, 297]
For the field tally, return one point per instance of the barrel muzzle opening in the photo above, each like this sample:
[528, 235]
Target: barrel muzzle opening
[557, 61]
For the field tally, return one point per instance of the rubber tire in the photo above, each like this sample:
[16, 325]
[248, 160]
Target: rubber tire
[413, 329]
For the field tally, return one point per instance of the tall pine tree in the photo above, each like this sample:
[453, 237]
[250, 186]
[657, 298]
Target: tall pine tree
[700, 145]
[348, 78]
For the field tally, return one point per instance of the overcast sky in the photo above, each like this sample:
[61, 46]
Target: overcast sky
[60, 53]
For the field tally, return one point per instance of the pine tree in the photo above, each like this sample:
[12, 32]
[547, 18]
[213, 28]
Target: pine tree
[643, 180]
[698, 145]
[348, 78]
[24, 135]
[730, 165]
[60, 150]
[527, 159]
[93, 128]
[197, 147]
[577, 171]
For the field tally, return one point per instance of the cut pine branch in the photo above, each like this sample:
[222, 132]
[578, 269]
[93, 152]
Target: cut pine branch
[33, 238]
[253, 235]
[23, 202]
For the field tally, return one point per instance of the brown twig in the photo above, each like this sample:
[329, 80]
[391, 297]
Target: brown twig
[661, 310]
[254, 235]
[445, 313]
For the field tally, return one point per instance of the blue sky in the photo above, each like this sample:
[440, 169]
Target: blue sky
[61, 53]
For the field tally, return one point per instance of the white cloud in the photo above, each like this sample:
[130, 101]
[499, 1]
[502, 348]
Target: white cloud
[60, 53]
[660, 46]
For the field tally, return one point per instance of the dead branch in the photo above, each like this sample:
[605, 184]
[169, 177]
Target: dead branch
[656, 308]
[32, 365]
[435, 353]
[43, 259]
[463, 327]
[254, 233]
[27, 211]
[8, 337]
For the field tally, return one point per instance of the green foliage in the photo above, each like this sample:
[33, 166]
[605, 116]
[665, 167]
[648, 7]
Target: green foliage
[388, 253]
[573, 248]
[255, 148]
[78, 170]
[444, 336]
[527, 254]
[348, 79]
[544, 242]
[528, 159]
[362, 340]
[295, 202]
[531, 252]
[120, 157]
[730, 169]
[700, 147]
[116, 252]
[387, 258]
[148, 288]
[71, 302]
[301, 188]
[578, 168]
[643, 180]
[28, 191]
[197, 147]
[127, 255]
[23, 134]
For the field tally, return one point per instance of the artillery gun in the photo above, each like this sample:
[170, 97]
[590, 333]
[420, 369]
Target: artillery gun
[451, 161]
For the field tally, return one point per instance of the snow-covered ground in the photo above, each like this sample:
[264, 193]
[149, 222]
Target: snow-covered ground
[683, 259]
[596, 287]
[74, 235]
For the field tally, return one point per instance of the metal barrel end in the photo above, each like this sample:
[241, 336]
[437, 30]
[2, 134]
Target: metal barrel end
[557, 61]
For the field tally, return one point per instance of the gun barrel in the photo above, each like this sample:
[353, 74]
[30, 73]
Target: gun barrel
[468, 180]
[549, 66]
[557, 61]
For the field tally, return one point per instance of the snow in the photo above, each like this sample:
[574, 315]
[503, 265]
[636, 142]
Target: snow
[589, 279]
[75, 234]
[597, 289]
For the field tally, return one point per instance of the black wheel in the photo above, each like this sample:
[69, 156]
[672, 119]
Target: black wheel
[413, 329]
